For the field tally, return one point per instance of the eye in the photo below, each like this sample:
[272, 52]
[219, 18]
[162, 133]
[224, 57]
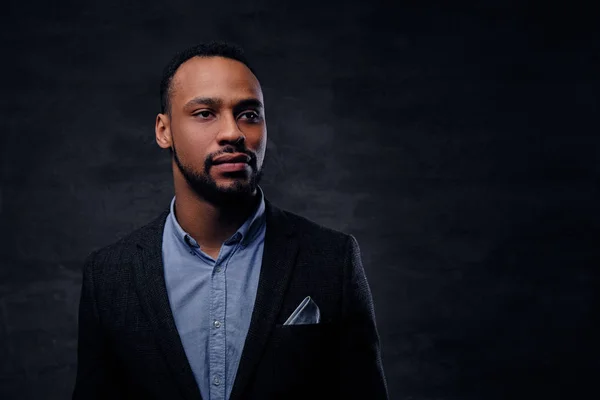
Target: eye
[203, 114]
[251, 116]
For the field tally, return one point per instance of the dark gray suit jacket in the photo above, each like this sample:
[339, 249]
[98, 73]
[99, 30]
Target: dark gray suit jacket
[129, 346]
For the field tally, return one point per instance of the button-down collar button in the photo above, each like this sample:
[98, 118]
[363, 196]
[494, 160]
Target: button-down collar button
[216, 381]
[190, 241]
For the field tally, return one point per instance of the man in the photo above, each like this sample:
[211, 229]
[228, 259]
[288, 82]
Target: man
[224, 295]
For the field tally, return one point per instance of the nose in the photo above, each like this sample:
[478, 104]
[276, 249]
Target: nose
[230, 132]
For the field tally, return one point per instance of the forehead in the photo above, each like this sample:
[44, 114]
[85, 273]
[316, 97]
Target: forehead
[215, 77]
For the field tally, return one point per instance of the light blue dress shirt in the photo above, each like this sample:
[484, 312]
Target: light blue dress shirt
[212, 300]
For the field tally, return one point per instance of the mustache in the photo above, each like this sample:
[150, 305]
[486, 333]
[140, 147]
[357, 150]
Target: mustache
[231, 149]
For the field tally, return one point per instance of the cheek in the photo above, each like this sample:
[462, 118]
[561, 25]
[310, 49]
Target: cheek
[258, 142]
[192, 139]
[259, 146]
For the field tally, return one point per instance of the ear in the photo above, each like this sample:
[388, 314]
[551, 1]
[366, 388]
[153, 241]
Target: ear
[163, 131]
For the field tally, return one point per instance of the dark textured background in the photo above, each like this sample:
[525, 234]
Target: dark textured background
[456, 142]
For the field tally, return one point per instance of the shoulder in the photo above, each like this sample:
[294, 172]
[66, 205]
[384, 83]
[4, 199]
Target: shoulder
[124, 249]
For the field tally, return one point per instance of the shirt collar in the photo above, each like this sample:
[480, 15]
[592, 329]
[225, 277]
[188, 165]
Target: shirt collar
[245, 233]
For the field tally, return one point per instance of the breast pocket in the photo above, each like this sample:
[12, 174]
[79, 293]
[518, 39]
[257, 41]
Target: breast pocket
[305, 348]
[298, 358]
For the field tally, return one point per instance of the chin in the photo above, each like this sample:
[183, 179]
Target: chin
[237, 186]
[231, 180]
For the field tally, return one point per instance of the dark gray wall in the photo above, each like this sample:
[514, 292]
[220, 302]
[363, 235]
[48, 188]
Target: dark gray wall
[457, 143]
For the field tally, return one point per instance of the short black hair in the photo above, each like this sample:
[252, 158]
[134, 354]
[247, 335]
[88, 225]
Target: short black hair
[210, 49]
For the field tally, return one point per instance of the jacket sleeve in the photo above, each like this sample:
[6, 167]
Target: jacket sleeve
[96, 366]
[361, 372]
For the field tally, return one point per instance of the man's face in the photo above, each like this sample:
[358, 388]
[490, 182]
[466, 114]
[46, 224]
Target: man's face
[216, 128]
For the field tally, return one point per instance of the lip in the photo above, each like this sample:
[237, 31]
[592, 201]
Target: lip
[235, 158]
[231, 166]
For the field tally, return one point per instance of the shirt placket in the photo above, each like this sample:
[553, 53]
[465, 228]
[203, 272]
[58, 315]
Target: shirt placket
[217, 339]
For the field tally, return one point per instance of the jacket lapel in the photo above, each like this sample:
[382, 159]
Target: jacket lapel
[152, 291]
[278, 260]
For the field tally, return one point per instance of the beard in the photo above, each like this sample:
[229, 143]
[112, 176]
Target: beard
[206, 187]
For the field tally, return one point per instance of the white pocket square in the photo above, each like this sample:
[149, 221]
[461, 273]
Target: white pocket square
[306, 313]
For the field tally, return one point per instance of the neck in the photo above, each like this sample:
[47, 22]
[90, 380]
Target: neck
[209, 224]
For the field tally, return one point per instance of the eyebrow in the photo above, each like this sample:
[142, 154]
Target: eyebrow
[216, 103]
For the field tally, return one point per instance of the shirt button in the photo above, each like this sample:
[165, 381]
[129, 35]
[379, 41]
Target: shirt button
[216, 381]
[217, 324]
